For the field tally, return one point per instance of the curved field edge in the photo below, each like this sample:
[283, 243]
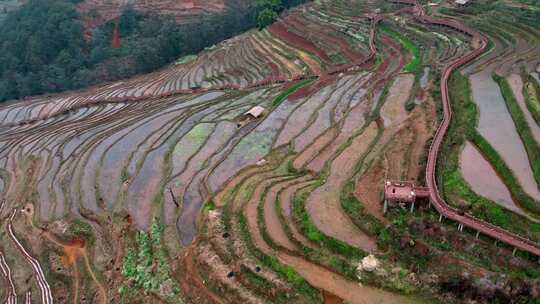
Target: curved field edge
[454, 187]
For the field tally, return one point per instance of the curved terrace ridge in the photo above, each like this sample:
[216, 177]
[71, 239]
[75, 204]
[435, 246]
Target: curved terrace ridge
[431, 169]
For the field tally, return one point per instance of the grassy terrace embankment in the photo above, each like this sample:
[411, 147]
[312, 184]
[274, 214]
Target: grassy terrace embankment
[531, 146]
[416, 57]
[454, 187]
[235, 220]
[291, 200]
[283, 95]
[531, 91]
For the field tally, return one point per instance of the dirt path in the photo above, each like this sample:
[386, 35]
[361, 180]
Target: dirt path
[331, 299]
[323, 205]
[72, 251]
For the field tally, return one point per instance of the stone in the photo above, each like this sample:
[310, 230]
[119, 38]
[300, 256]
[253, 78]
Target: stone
[369, 263]
[261, 162]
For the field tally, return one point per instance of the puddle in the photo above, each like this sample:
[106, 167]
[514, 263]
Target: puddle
[424, 79]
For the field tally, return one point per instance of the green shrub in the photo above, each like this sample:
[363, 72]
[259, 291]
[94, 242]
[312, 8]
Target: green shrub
[146, 262]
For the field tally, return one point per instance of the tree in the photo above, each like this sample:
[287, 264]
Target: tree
[43, 48]
[266, 17]
[274, 5]
[128, 21]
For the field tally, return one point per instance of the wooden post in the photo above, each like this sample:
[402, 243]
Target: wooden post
[412, 207]
[440, 218]
[514, 252]
[385, 208]
[477, 234]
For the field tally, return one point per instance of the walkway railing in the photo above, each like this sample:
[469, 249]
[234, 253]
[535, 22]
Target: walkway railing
[431, 169]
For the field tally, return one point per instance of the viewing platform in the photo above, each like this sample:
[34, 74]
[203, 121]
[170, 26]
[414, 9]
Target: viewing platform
[399, 192]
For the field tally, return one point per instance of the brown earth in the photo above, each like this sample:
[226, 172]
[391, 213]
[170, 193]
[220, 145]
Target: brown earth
[395, 162]
[192, 283]
[285, 199]
[369, 191]
[312, 150]
[97, 12]
[323, 204]
[279, 30]
[352, 292]
[271, 217]
[316, 275]
[331, 299]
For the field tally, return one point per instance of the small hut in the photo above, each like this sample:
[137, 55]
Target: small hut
[254, 112]
[462, 2]
[399, 193]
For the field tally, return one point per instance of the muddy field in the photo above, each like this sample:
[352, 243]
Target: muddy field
[162, 188]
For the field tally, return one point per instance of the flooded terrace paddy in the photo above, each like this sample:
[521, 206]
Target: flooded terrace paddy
[483, 179]
[497, 127]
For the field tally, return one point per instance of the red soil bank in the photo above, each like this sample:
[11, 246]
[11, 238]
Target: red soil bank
[115, 41]
[313, 87]
[280, 31]
[110, 9]
[345, 47]
[71, 251]
[274, 68]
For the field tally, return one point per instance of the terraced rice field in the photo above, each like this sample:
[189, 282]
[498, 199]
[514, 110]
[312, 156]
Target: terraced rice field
[282, 207]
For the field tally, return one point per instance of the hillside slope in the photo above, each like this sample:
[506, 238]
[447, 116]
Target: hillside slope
[253, 171]
[97, 12]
